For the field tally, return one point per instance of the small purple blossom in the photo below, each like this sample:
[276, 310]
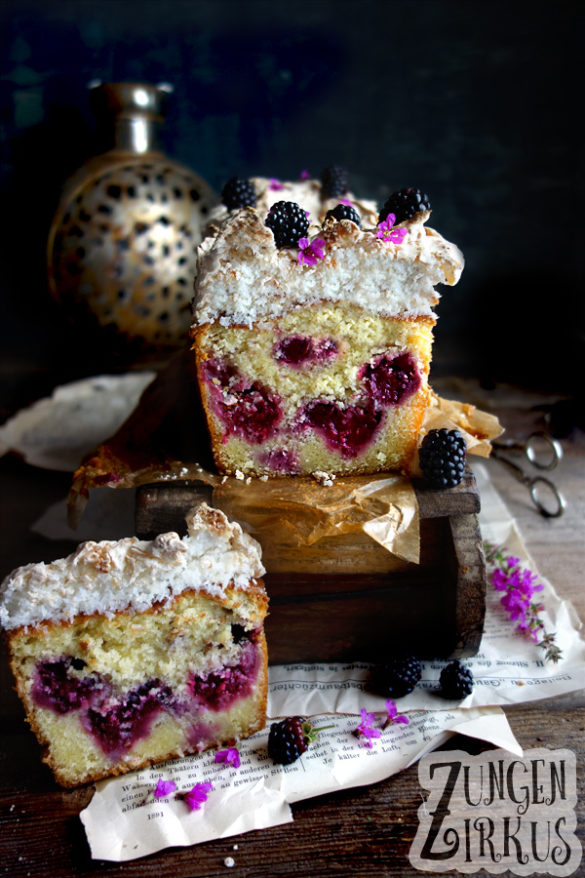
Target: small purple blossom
[311, 251]
[388, 233]
[345, 201]
[275, 185]
[164, 788]
[393, 715]
[519, 585]
[365, 728]
[304, 175]
[197, 797]
[230, 756]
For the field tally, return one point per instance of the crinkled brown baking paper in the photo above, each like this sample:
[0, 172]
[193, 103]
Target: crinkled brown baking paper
[165, 439]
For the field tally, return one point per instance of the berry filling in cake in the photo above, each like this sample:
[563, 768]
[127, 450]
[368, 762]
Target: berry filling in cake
[280, 460]
[118, 720]
[219, 689]
[56, 688]
[119, 727]
[391, 380]
[247, 409]
[298, 351]
[367, 393]
[346, 430]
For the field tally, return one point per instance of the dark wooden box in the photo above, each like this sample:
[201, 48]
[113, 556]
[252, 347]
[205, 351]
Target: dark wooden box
[433, 609]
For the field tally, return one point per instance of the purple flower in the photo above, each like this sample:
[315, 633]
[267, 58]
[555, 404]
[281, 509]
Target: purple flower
[275, 184]
[164, 788]
[388, 233]
[345, 201]
[197, 797]
[312, 251]
[393, 715]
[229, 756]
[519, 586]
[365, 728]
[304, 175]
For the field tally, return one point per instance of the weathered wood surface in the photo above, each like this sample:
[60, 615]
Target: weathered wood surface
[163, 505]
[363, 832]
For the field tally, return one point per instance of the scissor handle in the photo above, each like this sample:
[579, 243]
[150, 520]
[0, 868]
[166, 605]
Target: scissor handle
[559, 507]
[532, 450]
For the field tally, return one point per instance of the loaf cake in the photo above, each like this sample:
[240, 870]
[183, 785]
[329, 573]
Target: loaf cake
[313, 348]
[132, 652]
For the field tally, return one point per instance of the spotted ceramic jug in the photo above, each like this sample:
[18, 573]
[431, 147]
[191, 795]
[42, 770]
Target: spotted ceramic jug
[122, 246]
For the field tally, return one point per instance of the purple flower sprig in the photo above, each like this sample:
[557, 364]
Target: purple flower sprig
[519, 586]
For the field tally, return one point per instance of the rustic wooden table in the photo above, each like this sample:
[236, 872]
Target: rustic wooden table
[365, 831]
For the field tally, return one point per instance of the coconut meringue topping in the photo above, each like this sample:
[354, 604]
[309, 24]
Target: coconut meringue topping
[109, 576]
[243, 278]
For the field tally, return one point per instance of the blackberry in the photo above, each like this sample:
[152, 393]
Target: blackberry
[456, 681]
[404, 204]
[344, 211]
[442, 457]
[333, 182]
[288, 222]
[289, 738]
[398, 676]
[238, 192]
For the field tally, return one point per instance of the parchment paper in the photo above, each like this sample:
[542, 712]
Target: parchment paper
[57, 432]
[121, 826]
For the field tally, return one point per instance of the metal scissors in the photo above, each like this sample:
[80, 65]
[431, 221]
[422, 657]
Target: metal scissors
[544, 453]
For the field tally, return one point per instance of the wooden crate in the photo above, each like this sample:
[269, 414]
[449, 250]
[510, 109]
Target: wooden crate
[433, 609]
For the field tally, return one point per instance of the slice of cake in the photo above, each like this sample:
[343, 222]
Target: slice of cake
[133, 652]
[313, 344]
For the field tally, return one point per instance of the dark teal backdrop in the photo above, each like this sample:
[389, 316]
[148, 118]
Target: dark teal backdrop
[478, 103]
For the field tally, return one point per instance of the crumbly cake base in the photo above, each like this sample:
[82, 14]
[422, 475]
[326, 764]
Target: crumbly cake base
[107, 695]
[243, 367]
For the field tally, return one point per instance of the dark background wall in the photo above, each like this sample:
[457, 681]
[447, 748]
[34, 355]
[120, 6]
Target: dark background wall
[477, 103]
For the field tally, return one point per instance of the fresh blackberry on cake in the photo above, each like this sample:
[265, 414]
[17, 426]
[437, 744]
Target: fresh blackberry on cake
[442, 457]
[344, 211]
[334, 182]
[405, 204]
[238, 192]
[289, 738]
[456, 681]
[288, 222]
[398, 677]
